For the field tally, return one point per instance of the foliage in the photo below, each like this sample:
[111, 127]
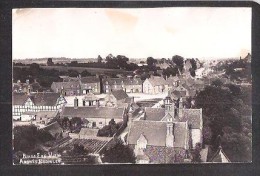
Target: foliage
[28, 138]
[151, 61]
[110, 129]
[196, 157]
[179, 61]
[118, 153]
[227, 113]
[49, 62]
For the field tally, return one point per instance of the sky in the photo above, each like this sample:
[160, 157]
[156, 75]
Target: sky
[191, 32]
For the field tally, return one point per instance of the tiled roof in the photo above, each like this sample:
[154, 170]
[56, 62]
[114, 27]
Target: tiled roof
[154, 114]
[88, 131]
[67, 85]
[155, 133]
[39, 99]
[93, 112]
[19, 98]
[44, 99]
[194, 117]
[220, 157]
[53, 128]
[119, 94]
[89, 79]
[157, 81]
[122, 81]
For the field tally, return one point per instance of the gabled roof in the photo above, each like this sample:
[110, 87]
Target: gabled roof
[19, 98]
[67, 85]
[93, 112]
[44, 99]
[39, 99]
[123, 81]
[157, 81]
[154, 114]
[155, 133]
[54, 128]
[119, 94]
[89, 79]
[220, 157]
[89, 132]
[90, 96]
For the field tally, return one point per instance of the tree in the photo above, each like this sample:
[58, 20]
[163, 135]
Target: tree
[110, 129]
[118, 153]
[217, 83]
[151, 61]
[99, 59]
[49, 62]
[85, 73]
[179, 61]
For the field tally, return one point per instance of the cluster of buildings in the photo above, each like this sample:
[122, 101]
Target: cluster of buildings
[166, 134]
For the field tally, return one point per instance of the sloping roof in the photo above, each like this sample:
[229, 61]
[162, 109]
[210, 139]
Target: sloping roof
[89, 79]
[88, 131]
[54, 128]
[220, 157]
[93, 112]
[119, 94]
[48, 114]
[154, 114]
[157, 81]
[19, 98]
[90, 96]
[44, 99]
[39, 99]
[67, 85]
[155, 133]
[172, 79]
[176, 94]
[194, 117]
[122, 81]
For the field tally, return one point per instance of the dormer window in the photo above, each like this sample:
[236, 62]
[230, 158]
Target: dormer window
[141, 142]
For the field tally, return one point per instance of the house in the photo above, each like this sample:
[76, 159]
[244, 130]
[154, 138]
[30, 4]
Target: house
[126, 84]
[116, 98]
[165, 135]
[155, 85]
[173, 81]
[20, 87]
[66, 88]
[41, 117]
[90, 84]
[97, 117]
[90, 100]
[35, 102]
[219, 157]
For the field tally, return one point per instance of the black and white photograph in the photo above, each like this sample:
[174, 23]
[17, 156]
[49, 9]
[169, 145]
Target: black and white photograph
[164, 85]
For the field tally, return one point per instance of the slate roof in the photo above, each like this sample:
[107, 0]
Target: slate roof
[122, 81]
[93, 112]
[119, 94]
[154, 114]
[39, 99]
[157, 81]
[66, 85]
[194, 117]
[155, 133]
[89, 79]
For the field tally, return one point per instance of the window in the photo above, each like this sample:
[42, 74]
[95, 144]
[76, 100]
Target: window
[100, 123]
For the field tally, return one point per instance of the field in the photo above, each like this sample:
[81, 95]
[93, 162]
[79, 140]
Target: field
[81, 69]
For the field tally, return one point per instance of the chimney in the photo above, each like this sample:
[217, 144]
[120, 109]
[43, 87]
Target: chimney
[27, 81]
[29, 90]
[132, 99]
[97, 103]
[76, 103]
[181, 108]
[130, 118]
[169, 134]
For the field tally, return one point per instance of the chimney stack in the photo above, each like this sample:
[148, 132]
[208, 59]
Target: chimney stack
[97, 103]
[27, 81]
[181, 108]
[170, 135]
[76, 103]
